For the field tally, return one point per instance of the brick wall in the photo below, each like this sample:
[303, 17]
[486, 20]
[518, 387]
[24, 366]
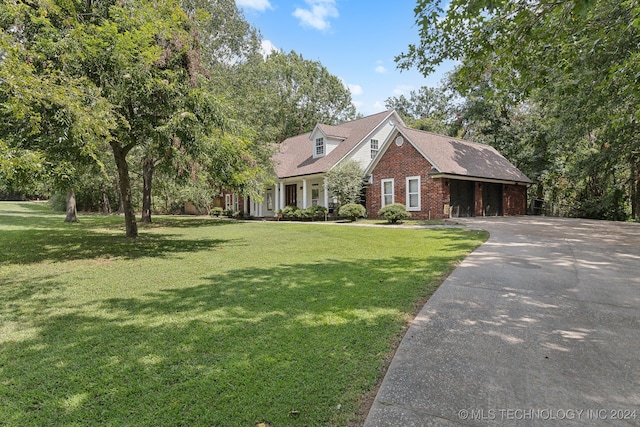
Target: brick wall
[399, 163]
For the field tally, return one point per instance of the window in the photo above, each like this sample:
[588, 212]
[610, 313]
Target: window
[315, 196]
[413, 193]
[269, 201]
[374, 148]
[387, 192]
[227, 202]
[319, 147]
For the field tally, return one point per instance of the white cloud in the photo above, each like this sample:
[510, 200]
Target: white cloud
[380, 69]
[402, 89]
[379, 106]
[355, 89]
[267, 48]
[260, 5]
[318, 14]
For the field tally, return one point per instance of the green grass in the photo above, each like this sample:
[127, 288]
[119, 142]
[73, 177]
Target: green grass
[204, 322]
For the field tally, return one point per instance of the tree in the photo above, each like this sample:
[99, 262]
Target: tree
[284, 95]
[345, 182]
[20, 171]
[576, 59]
[429, 109]
[56, 116]
[78, 75]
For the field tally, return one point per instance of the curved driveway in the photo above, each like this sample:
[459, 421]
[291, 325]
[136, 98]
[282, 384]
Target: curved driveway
[538, 326]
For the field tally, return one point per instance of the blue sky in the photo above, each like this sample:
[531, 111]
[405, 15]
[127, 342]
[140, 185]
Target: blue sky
[356, 40]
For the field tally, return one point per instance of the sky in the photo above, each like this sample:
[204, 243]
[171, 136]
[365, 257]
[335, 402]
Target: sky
[356, 40]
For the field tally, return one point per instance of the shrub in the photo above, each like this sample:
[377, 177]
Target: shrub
[217, 211]
[394, 213]
[352, 211]
[316, 212]
[290, 212]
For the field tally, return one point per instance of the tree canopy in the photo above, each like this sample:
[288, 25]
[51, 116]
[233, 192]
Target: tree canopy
[179, 85]
[576, 63]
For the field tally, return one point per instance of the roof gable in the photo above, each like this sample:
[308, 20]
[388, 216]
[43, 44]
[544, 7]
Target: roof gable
[453, 156]
[295, 157]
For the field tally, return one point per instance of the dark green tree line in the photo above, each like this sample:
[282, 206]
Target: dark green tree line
[570, 68]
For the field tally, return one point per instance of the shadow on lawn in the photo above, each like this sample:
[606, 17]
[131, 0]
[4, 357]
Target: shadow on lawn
[50, 239]
[69, 245]
[248, 346]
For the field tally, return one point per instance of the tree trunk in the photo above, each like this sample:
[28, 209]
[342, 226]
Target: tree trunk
[72, 212]
[148, 166]
[106, 205]
[120, 157]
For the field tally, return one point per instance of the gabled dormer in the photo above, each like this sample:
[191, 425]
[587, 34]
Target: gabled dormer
[326, 138]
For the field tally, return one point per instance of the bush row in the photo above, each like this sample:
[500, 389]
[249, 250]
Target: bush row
[293, 213]
[394, 213]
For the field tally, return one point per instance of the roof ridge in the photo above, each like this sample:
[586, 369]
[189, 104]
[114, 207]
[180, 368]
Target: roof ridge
[455, 138]
[387, 112]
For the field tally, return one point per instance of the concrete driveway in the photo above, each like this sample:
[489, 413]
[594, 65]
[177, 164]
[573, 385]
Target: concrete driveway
[539, 326]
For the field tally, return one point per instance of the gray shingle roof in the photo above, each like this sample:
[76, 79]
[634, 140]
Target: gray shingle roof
[465, 158]
[295, 157]
[450, 156]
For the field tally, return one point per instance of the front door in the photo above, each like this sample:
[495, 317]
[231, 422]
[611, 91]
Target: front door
[291, 195]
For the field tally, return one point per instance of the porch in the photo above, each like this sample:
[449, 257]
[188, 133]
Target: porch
[301, 192]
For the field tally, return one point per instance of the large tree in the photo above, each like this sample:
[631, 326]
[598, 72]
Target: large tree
[56, 116]
[578, 60]
[429, 108]
[284, 94]
[77, 75]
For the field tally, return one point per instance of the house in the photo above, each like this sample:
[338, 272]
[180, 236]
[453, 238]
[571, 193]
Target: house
[434, 176]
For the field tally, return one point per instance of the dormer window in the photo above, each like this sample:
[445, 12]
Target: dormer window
[319, 147]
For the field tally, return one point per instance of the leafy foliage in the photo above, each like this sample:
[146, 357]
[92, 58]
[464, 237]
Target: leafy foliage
[313, 213]
[394, 213]
[345, 181]
[81, 76]
[569, 69]
[284, 94]
[352, 211]
[428, 109]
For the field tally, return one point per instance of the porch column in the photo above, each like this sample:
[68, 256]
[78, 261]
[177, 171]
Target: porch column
[304, 194]
[326, 193]
[282, 201]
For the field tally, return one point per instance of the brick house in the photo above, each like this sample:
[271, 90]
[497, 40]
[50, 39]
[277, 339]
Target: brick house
[434, 176]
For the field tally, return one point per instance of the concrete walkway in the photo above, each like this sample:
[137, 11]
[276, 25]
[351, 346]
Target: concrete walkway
[539, 326]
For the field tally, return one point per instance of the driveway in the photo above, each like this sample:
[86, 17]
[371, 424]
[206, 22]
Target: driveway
[539, 326]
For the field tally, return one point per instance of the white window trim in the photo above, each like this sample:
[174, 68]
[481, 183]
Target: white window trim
[393, 190]
[319, 145]
[270, 201]
[374, 145]
[414, 208]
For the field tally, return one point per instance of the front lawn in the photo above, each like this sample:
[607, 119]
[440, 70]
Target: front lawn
[204, 322]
